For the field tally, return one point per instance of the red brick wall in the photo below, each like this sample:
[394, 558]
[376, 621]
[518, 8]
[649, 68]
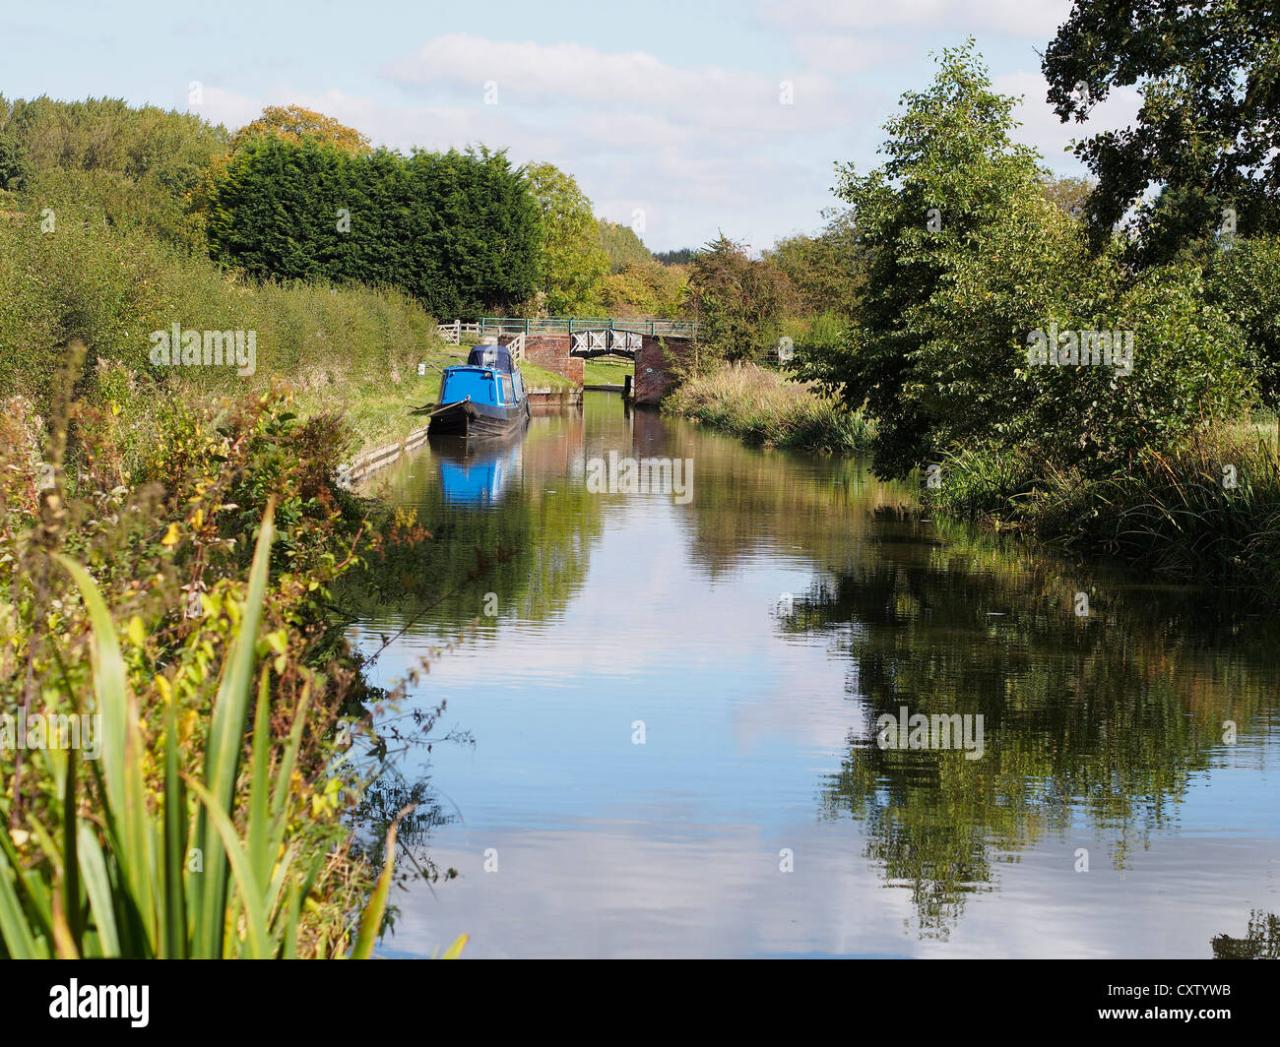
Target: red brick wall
[653, 367]
[653, 362]
[551, 353]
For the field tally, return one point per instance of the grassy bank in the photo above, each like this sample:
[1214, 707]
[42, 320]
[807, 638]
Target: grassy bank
[131, 493]
[606, 370]
[131, 596]
[1208, 511]
[377, 413]
[539, 378]
[347, 347]
[762, 407]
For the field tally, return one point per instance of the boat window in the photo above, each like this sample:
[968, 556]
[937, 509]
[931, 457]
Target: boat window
[519, 384]
[508, 392]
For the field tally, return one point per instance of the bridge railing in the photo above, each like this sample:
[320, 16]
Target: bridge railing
[564, 325]
[587, 343]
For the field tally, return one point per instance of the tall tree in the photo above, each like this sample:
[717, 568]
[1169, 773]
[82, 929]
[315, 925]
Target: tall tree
[622, 245]
[972, 266]
[951, 171]
[1207, 138]
[738, 301]
[573, 262]
[459, 231]
[827, 270]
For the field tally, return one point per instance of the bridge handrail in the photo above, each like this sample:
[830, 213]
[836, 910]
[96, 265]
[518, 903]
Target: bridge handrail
[568, 325]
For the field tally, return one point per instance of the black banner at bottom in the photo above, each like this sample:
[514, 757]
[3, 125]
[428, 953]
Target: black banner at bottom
[140, 999]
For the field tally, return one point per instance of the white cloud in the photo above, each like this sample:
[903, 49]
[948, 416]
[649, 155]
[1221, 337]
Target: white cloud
[225, 107]
[698, 149]
[566, 74]
[1037, 19]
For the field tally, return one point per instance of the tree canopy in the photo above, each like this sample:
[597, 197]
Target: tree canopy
[572, 262]
[1204, 153]
[622, 245]
[142, 166]
[738, 301]
[293, 123]
[970, 261]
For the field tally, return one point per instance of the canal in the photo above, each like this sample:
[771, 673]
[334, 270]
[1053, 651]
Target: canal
[667, 718]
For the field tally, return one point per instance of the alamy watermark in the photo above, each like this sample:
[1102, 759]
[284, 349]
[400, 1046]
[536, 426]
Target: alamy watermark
[179, 348]
[1081, 349]
[79, 731]
[939, 731]
[617, 475]
[76, 1001]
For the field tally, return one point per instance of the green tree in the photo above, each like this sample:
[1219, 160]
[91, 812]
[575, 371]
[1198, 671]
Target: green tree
[273, 210]
[459, 231]
[971, 264]
[622, 246]
[572, 261]
[133, 166]
[293, 123]
[645, 289]
[682, 256]
[1206, 136]
[738, 301]
[952, 171]
[1244, 281]
[827, 270]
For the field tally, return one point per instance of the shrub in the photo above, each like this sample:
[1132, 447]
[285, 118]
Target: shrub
[111, 288]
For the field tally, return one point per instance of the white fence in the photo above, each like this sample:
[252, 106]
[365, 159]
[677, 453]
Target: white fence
[452, 333]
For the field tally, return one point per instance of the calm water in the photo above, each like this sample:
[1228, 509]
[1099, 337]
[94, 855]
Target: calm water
[753, 636]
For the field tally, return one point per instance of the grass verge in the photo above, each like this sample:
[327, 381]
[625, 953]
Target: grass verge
[763, 407]
[1208, 511]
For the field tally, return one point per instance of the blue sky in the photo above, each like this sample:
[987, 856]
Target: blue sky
[670, 115]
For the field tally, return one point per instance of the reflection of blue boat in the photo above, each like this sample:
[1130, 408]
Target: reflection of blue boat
[483, 397]
[472, 474]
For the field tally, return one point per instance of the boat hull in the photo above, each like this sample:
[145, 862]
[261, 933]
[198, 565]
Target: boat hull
[478, 421]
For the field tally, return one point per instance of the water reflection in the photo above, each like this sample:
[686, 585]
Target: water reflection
[756, 634]
[475, 473]
[1261, 940]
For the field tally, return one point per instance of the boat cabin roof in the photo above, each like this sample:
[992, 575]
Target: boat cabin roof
[497, 357]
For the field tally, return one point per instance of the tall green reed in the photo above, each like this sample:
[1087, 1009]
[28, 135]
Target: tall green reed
[125, 873]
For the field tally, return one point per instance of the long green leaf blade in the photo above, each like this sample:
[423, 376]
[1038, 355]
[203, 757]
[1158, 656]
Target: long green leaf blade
[371, 920]
[242, 870]
[18, 939]
[97, 885]
[226, 737]
[175, 842]
[121, 754]
[260, 786]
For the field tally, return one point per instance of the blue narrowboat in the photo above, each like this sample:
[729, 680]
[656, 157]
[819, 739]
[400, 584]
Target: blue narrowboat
[484, 397]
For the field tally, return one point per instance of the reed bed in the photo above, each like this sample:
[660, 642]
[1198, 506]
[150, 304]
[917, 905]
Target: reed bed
[765, 408]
